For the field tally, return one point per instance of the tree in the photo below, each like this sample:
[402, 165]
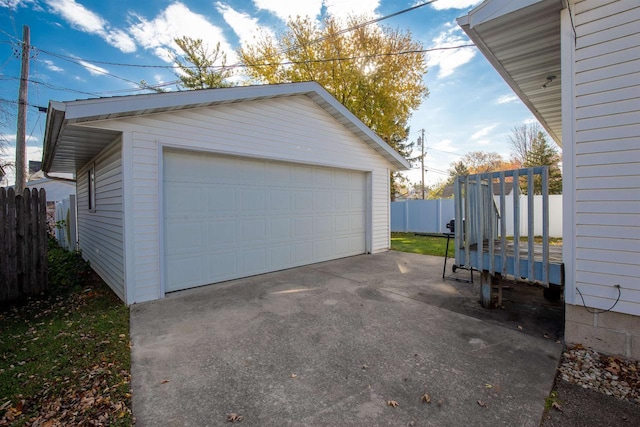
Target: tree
[521, 140]
[529, 145]
[543, 154]
[376, 72]
[481, 161]
[198, 67]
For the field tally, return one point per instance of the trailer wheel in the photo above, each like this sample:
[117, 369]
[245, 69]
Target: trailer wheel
[553, 293]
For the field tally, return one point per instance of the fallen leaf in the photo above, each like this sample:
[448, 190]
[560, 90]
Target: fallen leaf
[482, 404]
[392, 403]
[556, 406]
[164, 381]
[365, 367]
[487, 385]
[546, 336]
[519, 327]
[294, 376]
[425, 398]
[5, 405]
[233, 417]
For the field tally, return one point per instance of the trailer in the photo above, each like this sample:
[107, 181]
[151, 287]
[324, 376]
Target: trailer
[480, 236]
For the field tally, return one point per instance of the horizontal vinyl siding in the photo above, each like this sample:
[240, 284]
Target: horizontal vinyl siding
[100, 233]
[292, 129]
[607, 153]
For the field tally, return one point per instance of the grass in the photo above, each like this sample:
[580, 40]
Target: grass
[65, 356]
[425, 245]
[538, 240]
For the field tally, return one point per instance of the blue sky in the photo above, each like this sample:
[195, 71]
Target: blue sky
[81, 44]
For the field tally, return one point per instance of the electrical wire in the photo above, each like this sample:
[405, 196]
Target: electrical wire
[597, 311]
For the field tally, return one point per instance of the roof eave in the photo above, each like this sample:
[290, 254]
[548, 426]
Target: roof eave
[489, 11]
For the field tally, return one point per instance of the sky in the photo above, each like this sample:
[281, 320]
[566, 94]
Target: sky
[86, 48]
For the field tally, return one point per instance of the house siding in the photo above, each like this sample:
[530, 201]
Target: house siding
[100, 233]
[607, 152]
[606, 176]
[293, 129]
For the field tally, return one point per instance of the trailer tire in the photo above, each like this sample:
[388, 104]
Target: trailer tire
[553, 293]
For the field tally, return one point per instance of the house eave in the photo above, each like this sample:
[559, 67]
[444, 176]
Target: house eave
[521, 40]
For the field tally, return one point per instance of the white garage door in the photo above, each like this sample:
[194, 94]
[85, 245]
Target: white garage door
[227, 217]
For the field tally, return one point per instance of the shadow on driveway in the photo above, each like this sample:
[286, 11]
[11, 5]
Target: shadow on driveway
[330, 344]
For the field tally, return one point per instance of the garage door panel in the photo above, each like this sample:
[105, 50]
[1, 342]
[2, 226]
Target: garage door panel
[279, 200]
[253, 230]
[253, 199]
[323, 225]
[254, 216]
[222, 265]
[280, 257]
[254, 261]
[220, 201]
[182, 199]
[187, 271]
[302, 226]
[280, 228]
[184, 237]
[322, 249]
[221, 233]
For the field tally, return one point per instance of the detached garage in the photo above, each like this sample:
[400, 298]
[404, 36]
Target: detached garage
[178, 190]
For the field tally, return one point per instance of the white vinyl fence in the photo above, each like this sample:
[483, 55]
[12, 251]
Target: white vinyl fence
[430, 216]
[66, 223]
[421, 216]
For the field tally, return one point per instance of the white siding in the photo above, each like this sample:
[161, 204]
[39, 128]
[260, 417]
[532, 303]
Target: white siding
[293, 129]
[100, 233]
[606, 170]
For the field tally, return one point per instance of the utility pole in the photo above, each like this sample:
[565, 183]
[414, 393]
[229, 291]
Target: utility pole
[422, 143]
[21, 149]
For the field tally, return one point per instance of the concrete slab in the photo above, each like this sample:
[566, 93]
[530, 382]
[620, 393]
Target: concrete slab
[330, 344]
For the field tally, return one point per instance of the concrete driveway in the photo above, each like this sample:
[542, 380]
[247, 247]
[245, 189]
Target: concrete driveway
[330, 344]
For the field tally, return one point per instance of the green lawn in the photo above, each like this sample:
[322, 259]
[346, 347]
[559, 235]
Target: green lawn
[65, 357]
[425, 245]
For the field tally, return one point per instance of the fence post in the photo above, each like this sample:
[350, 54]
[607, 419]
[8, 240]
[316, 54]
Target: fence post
[73, 223]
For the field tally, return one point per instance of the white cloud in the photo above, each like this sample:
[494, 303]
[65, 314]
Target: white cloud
[14, 4]
[454, 4]
[246, 28]
[505, 99]
[444, 145]
[9, 155]
[449, 59]
[53, 67]
[530, 121]
[173, 22]
[483, 132]
[284, 9]
[90, 22]
[344, 8]
[93, 69]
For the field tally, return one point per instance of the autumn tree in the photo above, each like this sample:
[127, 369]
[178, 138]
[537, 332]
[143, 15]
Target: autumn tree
[376, 72]
[200, 68]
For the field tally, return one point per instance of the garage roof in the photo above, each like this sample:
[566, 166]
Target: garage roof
[521, 39]
[68, 146]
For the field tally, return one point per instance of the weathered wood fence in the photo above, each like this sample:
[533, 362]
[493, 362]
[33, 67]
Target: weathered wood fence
[23, 244]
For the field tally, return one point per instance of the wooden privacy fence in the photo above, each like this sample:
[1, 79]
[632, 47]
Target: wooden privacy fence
[23, 244]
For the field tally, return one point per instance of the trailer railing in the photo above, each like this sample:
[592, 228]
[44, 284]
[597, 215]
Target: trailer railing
[481, 241]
